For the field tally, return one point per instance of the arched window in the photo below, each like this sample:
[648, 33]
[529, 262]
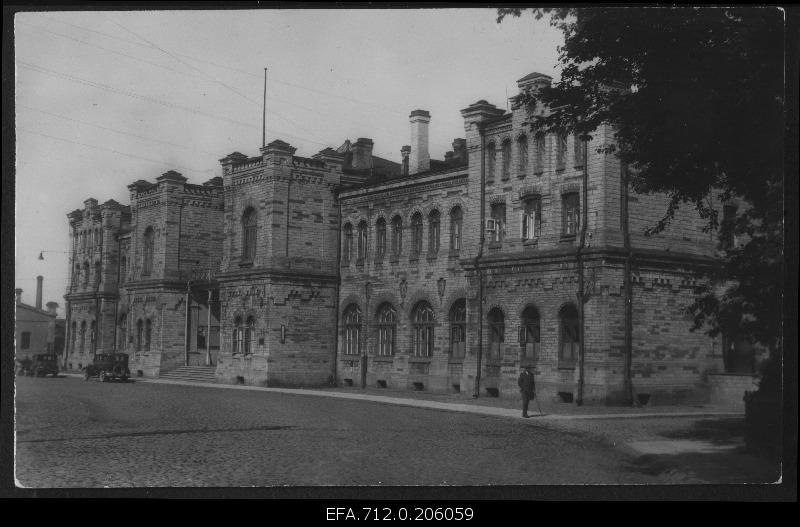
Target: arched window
[123, 332]
[139, 334]
[386, 321]
[423, 321]
[491, 161]
[249, 234]
[147, 256]
[433, 232]
[578, 150]
[380, 239]
[85, 274]
[148, 334]
[416, 234]
[506, 159]
[352, 330]
[76, 275]
[83, 336]
[570, 333]
[458, 328]
[561, 152]
[538, 143]
[249, 335]
[456, 217]
[522, 145]
[347, 244]
[497, 333]
[397, 236]
[531, 218]
[529, 336]
[362, 242]
[237, 336]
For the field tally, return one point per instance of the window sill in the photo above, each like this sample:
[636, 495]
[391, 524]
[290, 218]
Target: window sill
[538, 173]
[453, 254]
[360, 263]
[245, 263]
[495, 245]
[413, 259]
[558, 170]
[432, 257]
[455, 360]
[394, 260]
[505, 178]
[532, 243]
[566, 366]
[418, 360]
[577, 167]
[383, 358]
[567, 238]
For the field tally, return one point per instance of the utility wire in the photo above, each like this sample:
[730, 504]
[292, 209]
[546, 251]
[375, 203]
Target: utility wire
[162, 163]
[118, 131]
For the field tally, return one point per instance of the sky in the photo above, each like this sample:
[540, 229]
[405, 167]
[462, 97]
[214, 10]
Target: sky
[103, 99]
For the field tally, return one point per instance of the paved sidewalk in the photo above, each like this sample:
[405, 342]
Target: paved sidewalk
[499, 407]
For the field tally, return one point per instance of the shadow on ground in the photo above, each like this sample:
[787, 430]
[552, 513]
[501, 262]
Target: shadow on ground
[727, 431]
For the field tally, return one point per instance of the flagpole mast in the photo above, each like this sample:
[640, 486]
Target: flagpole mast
[264, 115]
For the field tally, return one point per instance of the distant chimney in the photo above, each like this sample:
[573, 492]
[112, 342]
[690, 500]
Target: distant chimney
[18, 292]
[39, 280]
[404, 152]
[52, 307]
[460, 151]
[420, 158]
[362, 153]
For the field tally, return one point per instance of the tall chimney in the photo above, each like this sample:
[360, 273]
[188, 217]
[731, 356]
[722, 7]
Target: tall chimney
[18, 293]
[362, 153]
[39, 280]
[420, 158]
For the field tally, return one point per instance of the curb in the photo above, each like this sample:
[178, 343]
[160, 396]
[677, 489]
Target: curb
[436, 405]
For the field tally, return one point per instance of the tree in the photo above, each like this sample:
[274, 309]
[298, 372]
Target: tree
[696, 99]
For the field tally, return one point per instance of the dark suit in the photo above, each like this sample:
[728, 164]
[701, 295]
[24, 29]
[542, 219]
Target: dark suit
[527, 389]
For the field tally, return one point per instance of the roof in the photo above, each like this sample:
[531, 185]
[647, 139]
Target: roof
[534, 75]
[34, 309]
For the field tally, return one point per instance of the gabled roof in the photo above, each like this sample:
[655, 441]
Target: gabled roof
[534, 75]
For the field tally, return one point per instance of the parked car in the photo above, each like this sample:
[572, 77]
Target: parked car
[108, 367]
[39, 365]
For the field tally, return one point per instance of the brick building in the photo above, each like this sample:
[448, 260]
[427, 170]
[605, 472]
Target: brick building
[445, 275]
[36, 330]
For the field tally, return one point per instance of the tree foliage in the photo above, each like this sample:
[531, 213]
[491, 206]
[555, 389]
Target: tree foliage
[696, 99]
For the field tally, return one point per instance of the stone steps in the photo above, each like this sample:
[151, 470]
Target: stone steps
[192, 373]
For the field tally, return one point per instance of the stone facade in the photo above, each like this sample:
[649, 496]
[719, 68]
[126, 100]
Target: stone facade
[444, 275]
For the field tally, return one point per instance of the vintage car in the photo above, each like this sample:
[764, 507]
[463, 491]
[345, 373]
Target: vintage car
[39, 365]
[108, 367]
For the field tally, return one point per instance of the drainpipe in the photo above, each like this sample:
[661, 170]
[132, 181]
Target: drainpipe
[68, 334]
[581, 278]
[477, 392]
[208, 328]
[628, 381]
[188, 322]
[334, 373]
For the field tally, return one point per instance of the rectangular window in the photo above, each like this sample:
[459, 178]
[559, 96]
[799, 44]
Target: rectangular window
[495, 226]
[561, 152]
[25, 340]
[578, 151]
[531, 218]
[571, 214]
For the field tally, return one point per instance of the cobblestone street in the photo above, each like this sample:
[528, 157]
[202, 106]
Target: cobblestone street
[72, 433]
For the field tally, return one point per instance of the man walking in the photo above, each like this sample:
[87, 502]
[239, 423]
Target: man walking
[526, 388]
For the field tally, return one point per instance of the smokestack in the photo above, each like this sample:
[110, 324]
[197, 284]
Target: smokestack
[362, 153]
[420, 158]
[52, 307]
[39, 280]
[18, 292]
[404, 152]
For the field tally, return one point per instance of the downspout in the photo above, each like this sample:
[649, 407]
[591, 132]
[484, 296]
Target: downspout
[334, 374]
[628, 351]
[477, 392]
[581, 278]
[68, 334]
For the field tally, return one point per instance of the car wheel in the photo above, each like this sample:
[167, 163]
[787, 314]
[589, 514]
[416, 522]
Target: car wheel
[102, 376]
[86, 375]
